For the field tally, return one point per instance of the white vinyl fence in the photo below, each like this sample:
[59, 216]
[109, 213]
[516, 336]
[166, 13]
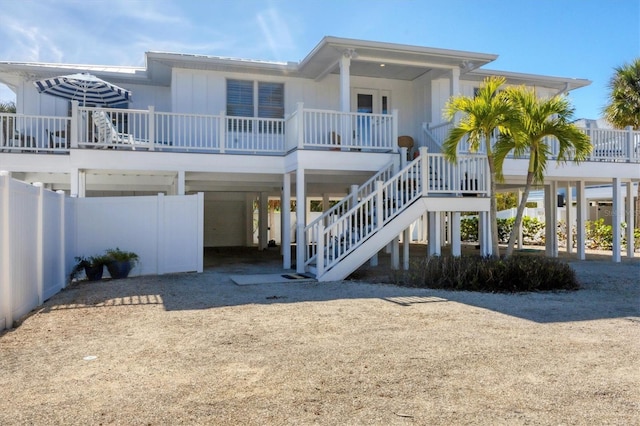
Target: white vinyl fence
[41, 232]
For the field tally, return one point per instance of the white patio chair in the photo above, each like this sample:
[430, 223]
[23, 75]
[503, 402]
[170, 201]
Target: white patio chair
[109, 136]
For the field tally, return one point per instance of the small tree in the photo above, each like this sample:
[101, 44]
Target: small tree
[538, 121]
[482, 115]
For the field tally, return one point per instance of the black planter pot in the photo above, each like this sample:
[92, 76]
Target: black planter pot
[119, 268]
[94, 273]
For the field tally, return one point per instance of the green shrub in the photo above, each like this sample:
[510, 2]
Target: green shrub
[487, 274]
[599, 235]
[469, 229]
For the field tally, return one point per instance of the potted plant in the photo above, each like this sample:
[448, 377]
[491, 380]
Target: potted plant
[92, 266]
[119, 263]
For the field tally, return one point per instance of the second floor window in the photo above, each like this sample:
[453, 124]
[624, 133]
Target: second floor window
[247, 98]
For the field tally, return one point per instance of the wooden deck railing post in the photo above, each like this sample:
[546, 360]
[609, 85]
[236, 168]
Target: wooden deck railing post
[222, 131]
[394, 131]
[75, 124]
[152, 128]
[300, 127]
[424, 169]
[630, 148]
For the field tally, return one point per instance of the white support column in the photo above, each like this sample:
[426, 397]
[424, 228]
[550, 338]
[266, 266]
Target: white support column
[395, 253]
[454, 82]
[581, 219]
[300, 220]
[345, 80]
[325, 202]
[250, 198]
[484, 234]
[550, 214]
[406, 243]
[568, 217]
[618, 216]
[285, 207]
[180, 183]
[263, 222]
[631, 246]
[74, 183]
[434, 233]
[456, 249]
[82, 183]
[354, 195]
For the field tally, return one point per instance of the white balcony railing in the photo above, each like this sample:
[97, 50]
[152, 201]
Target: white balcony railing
[90, 127]
[608, 144]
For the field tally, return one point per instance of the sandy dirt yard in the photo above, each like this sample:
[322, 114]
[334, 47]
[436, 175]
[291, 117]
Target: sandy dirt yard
[199, 349]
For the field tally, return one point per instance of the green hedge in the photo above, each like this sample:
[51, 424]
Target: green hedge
[487, 274]
[599, 236]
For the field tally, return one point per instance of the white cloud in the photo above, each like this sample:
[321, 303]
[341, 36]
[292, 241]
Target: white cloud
[276, 32]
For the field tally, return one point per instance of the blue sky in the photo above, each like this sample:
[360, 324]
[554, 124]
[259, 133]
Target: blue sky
[567, 38]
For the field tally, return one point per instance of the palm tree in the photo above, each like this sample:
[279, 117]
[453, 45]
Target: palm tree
[624, 97]
[482, 115]
[624, 103]
[538, 122]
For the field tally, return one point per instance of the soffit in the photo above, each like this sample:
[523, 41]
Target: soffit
[400, 61]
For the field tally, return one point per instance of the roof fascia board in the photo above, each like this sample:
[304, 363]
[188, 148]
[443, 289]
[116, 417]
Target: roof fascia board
[572, 83]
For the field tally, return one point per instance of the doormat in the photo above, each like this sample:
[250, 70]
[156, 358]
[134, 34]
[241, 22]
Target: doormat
[270, 278]
[297, 276]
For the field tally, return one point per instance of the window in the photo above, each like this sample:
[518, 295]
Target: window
[242, 102]
[240, 98]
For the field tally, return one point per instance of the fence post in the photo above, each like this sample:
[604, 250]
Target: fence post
[75, 124]
[222, 131]
[200, 248]
[320, 250]
[40, 242]
[160, 228]
[6, 296]
[152, 128]
[63, 240]
[300, 127]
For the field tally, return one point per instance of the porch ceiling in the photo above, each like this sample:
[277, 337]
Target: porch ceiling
[402, 62]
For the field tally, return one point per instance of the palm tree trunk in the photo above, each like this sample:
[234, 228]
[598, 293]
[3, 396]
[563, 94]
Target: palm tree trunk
[519, 213]
[493, 208]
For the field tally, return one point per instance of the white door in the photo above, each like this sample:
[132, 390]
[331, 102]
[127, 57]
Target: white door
[367, 101]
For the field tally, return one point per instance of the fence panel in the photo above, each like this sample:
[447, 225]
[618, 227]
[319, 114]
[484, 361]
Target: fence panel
[41, 232]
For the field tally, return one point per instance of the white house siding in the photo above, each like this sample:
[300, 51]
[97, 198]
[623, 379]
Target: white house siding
[204, 92]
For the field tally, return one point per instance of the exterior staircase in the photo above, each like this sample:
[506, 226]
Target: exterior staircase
[346, 236]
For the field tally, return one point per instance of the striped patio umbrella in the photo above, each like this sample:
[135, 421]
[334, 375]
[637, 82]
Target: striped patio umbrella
[84, 88]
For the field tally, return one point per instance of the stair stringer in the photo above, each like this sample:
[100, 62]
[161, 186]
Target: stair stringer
[376, 242]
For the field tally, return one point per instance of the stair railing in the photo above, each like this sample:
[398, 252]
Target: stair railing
[348, 232]
[340, 208]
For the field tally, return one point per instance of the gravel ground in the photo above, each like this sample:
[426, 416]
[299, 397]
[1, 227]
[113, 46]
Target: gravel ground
[198, 349]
